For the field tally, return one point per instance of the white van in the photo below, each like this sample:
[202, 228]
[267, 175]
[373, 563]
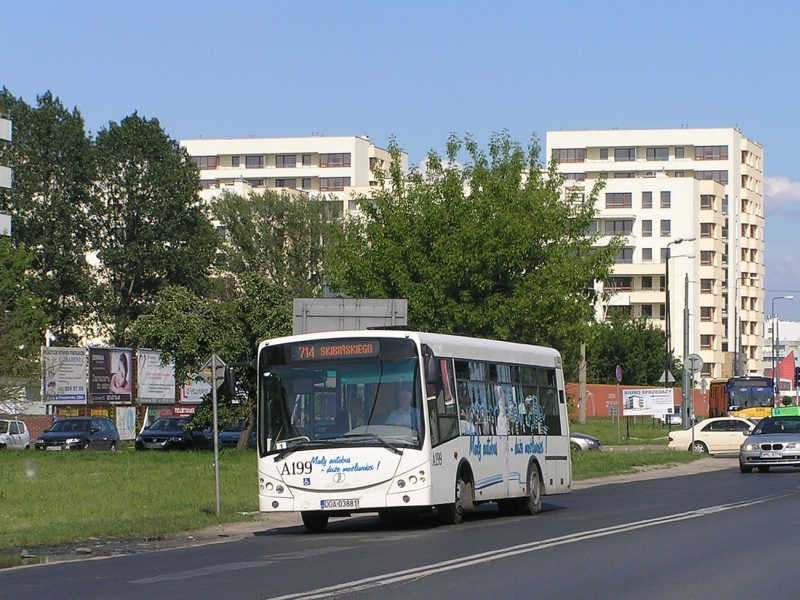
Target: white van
[14, 435]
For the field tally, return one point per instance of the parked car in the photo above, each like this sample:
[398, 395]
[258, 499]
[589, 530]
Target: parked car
[581, 441]
[674, 418]
[229, 437]
[79, 433]
[712, 436]
[170, 433]
[774, 442]
[14, 435]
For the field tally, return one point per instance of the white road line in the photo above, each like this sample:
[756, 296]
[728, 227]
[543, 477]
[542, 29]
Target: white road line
[484, 557]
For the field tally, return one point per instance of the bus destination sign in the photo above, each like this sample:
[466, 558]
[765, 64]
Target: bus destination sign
[336, 349]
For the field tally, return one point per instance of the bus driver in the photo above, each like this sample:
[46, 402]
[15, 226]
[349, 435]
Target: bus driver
[405, 414]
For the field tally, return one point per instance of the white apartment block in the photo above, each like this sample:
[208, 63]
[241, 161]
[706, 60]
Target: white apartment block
[335, 166]
[694, 195]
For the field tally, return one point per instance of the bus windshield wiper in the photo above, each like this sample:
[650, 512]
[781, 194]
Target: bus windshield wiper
[377, 438]
[303, 442]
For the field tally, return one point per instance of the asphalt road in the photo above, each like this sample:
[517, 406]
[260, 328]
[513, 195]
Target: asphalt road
[703, 532]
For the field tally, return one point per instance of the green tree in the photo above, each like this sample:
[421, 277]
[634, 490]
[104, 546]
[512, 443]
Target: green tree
[190, 329]
[490, 249]
[278, 235]
[635, 344]
[53, 162]
[150, 229]
[22, 321]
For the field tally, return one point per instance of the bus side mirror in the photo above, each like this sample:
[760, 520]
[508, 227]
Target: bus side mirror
[433, 374]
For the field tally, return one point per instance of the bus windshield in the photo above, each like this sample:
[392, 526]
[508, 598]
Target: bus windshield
[749, 394]
[335, 393]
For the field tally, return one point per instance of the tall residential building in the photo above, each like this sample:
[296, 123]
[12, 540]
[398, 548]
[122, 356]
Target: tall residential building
[695, 196]
[338, 166]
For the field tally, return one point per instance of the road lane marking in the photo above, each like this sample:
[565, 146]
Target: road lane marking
[485, 557]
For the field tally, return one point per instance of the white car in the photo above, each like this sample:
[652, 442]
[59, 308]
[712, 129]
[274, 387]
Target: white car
[712, 436]
[14, 435]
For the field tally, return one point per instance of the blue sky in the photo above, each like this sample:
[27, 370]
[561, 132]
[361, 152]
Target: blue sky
[421, 70]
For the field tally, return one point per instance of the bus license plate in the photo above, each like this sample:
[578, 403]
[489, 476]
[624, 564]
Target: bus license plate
[771, 455]
[338, 504]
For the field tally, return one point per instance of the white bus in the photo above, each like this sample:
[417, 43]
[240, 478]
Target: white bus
[393, 421]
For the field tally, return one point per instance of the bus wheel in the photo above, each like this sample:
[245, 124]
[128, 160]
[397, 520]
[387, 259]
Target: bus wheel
[315, 521]
[532, 503]
[453, 514]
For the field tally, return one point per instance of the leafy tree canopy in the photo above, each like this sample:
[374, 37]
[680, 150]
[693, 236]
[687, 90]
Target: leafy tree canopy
[637, 345]
[54, 170]
[278, 235]
[490, 249]
[150, 229]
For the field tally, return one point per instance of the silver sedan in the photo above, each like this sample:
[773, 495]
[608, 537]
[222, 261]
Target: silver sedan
[581, 441]
[775, 442]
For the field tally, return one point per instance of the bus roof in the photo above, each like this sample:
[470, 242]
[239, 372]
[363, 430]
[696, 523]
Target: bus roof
[443, 345]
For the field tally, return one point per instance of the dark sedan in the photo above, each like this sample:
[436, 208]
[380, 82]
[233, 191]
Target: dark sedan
[229, 437]
[170, 433]
[80, 433]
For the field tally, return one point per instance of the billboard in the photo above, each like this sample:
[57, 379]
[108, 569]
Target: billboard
[193, 391]
[110, 375]
[657, 401]
[63, 375]
[156, 382]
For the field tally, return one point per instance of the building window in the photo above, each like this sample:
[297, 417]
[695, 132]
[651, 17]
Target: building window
[706, 202]
[753, 255]
[707, 258]
[647, 228]
[647, 255]
[706, 313]
[624, 154]
[678, 173]
[235, 161]
[666, 228]
[254, 162]
[707, 370]
[666, 199]
[570, 155]
[707, 342]
[664, 252]
[286, 183]
[718, 176]
[706, 230]
[619, 284]
[334, 160]
[209, 184]
[206, 162]
[619, 200]
[574, 176]
[256, 183]
[706, 286]
[624, 175]
[711, 153]
[603, 153]
[614, 227]
[679, 152]
[333, 184]
[662, 312]
[647, 282]
[306, 160]
[623, 312]
[658, 154]
[647, 199]
[307, 183]
[221, 231]
[624, 256]
[662, 283]
[286, 161]
[647, 310]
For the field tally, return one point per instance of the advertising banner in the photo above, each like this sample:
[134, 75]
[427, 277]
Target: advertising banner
[126, 422]
[110, 380]
[657, 402]
[193, 391]
[156, 382]
[63, 375]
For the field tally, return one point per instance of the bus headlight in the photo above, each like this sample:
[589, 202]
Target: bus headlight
[412, 480]
[268, 486]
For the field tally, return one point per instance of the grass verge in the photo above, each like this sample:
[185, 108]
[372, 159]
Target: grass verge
[588, 465]
[633, 431]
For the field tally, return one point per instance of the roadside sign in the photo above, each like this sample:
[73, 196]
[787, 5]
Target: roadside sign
[618, 373]
[694, 363]
[213, 379]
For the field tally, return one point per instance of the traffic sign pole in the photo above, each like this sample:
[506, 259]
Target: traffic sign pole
[214, 360]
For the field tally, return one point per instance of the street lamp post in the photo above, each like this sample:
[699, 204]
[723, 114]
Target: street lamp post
[667, 346]
[775, 345]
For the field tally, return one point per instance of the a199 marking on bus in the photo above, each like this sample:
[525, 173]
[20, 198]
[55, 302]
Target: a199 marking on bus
[297, 468]
[436, 459]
